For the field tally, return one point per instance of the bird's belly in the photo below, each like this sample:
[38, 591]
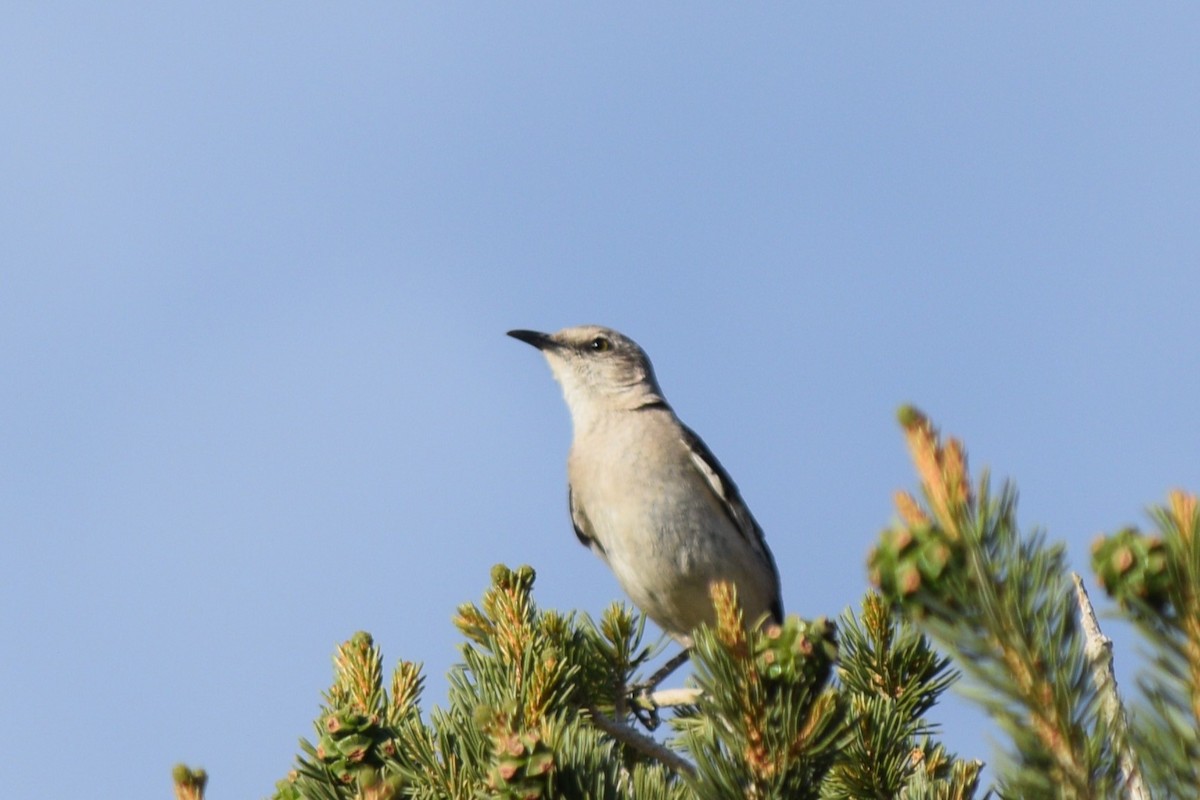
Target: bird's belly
[667, 548]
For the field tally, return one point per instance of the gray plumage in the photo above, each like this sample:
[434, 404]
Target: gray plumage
[645, 492]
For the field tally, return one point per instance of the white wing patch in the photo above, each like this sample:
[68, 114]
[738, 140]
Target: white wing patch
[727, 493]
[724, 488]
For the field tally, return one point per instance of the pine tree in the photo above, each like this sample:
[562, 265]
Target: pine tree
[541, 705]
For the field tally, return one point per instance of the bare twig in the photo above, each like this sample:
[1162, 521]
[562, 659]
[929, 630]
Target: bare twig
[1098, 649]
[647, 746]
[670, 698]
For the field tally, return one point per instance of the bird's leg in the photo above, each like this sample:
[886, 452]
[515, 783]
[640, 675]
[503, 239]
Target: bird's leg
[665, 670]
[643, 706]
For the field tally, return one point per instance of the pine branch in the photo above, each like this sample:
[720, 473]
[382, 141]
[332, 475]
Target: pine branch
[1155, 579]
[189, 783]
[642, 743]
[767, 724]
[959, 568]
[891, 677]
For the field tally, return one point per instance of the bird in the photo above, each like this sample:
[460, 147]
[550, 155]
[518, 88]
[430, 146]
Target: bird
[647, 495]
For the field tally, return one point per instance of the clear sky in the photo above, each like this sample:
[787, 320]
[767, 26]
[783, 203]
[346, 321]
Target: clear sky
[257, 261]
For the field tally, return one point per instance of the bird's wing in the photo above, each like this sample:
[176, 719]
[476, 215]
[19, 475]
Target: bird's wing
[583, 527]
[739, 514]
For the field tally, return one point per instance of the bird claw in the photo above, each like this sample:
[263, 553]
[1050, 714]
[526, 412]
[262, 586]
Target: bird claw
[640, 696]
[643, 707]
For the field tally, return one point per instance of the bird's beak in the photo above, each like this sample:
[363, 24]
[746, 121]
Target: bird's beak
[542, 341]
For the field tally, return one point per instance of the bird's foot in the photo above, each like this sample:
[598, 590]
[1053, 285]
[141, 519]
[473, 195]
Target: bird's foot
[642, 705]
[640, 697]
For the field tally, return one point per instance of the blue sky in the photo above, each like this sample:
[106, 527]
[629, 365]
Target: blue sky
[259, 259]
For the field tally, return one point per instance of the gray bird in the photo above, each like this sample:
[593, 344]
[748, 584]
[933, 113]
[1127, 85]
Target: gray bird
[646, 494]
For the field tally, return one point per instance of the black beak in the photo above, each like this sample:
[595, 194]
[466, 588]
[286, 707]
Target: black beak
[541, 341]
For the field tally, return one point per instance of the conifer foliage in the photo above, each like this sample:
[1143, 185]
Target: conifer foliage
[546, 705]
[1002, 605]
[1155, 578]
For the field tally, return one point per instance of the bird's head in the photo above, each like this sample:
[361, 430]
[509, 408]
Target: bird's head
[598, 368]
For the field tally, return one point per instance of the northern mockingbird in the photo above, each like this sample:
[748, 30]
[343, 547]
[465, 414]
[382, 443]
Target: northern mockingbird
[645, 492]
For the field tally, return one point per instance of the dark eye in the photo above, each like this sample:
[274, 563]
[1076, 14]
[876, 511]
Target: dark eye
[600, 344]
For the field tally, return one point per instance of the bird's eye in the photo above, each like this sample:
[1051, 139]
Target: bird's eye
[600, 344]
